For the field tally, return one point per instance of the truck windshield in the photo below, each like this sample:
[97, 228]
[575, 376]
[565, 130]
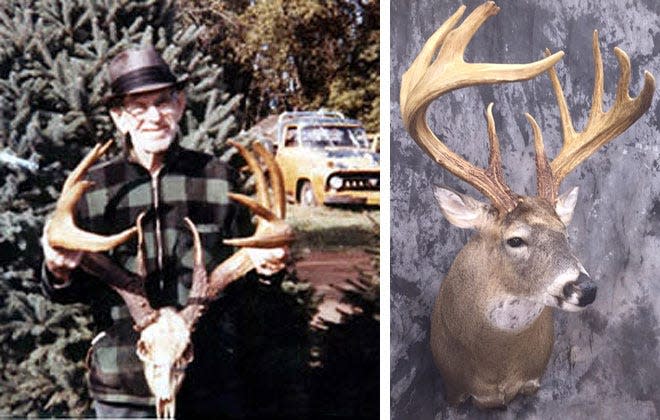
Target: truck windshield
[329, 136]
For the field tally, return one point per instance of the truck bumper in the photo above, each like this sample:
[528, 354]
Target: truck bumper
[370, 198]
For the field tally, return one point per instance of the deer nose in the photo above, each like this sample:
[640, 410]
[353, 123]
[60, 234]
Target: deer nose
[584, 289]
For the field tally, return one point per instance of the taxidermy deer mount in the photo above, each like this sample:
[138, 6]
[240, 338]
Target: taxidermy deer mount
[492, 327]
[165, 346]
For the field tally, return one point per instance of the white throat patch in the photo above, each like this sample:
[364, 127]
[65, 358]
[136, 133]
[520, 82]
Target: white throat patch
[512, 313]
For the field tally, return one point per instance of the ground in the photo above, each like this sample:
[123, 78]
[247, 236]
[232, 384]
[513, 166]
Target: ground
[334, 245]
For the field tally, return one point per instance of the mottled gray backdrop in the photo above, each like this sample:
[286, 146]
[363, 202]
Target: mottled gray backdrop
[606, 360]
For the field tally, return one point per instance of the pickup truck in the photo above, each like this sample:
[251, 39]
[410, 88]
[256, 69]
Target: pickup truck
[324, 156]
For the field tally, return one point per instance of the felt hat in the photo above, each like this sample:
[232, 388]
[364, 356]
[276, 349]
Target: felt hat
[139, 71]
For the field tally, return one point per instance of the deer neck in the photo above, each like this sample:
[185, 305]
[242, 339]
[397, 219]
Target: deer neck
[512, 313]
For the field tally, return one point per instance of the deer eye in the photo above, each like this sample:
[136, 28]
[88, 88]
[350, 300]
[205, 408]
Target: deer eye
[515, 242]
[142, 350]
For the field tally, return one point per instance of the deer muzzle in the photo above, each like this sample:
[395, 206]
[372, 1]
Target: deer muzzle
[165, 350]
[165, 408]
[579, 293]
[164, 382]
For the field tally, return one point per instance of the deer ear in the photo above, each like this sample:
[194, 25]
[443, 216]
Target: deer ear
[565, 205]
[461, 210]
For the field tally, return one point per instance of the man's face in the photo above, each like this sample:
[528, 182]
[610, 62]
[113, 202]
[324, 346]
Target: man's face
[151, 119]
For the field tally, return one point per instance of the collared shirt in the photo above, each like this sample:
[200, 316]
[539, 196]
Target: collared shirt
[190, 184]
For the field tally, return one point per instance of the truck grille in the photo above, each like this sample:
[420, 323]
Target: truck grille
[359, 182]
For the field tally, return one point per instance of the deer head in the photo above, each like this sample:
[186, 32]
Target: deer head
[165, 349]
[520, 261]
[165, 346]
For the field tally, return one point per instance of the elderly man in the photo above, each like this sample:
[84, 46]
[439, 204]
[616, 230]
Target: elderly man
[157, 175]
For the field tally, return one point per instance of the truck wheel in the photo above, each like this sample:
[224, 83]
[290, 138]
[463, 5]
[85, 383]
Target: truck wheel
[307, 198]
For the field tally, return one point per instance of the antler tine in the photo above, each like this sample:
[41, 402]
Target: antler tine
[81, 169]
[278, 238]
[275, 232]
[276, 179]
[140, 258]
[262, 193]
[200, 286]
[62, 230]
[257, 208]
[198, 252]
[262, 207]
[545, 185]
[271, 234]
[428, 79]
[602, 127]
[494, 170]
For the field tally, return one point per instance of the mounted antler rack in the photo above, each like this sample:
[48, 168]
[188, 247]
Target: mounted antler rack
[440, 68]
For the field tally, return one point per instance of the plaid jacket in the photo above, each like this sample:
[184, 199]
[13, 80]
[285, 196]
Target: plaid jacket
[190, 184]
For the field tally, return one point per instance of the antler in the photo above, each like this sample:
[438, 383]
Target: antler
[63, 232]
[272, 231]
[601, 128]
[197, 298]
[429, 78]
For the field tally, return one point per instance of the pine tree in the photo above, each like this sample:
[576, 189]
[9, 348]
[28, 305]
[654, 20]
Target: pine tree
[53, 58]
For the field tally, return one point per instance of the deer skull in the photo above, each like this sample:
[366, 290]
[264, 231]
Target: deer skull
[165, 350]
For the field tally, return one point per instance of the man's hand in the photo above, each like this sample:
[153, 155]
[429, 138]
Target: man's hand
[268, 261]
[60, 262]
